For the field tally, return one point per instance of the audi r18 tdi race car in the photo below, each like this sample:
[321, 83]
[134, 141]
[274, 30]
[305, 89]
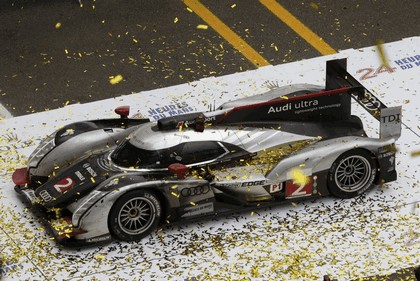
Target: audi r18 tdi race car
[99, 180]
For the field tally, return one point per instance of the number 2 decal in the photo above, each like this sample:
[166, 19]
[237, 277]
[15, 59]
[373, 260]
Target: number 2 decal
[298, 190]
[64, 184]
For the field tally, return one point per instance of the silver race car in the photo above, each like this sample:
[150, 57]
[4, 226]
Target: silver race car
[99, 180]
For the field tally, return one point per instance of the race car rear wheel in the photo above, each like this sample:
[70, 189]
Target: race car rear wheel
[352, 173]
[134, 215]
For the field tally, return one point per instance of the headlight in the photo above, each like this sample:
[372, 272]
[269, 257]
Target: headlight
[43, 148]
[88, 201]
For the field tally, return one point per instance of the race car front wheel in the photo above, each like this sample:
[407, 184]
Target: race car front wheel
[134, 215]
[352, 173]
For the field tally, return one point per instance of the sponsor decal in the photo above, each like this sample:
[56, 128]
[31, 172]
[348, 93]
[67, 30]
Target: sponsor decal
[390, 122]
[79, 175]
[198, 210]
[387, 152]
[288, 106]
[368, 101]
[252, 183]
[99, 238]
[169, 110]
[64, 184]
[303, 106]
[408, 62]
[197, 190]
[276, 188]
[45, 195]
[156, 203]
[369, 184]
[90, 170]
[391, 118]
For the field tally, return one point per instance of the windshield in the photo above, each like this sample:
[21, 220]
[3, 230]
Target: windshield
[128, 155]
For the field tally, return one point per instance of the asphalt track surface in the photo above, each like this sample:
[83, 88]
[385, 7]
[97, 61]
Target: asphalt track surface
[57, 52]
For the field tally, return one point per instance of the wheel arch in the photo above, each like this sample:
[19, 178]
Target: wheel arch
[135, 187]
[319, 157]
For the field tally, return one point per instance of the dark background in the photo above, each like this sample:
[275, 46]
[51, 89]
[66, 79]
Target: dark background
[36, 73]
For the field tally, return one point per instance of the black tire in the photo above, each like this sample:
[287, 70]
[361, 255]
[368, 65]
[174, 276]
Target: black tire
[135, 215]
[352, 173]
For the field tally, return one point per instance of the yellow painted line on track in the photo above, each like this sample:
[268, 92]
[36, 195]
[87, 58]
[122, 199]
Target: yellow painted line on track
[228, 34]
[302, 30]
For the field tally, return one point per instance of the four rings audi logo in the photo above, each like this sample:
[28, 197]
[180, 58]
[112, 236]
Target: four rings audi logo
[197, 190]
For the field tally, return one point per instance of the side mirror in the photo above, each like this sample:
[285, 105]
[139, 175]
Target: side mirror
[123, 111]
[20, 176]
[179, 170]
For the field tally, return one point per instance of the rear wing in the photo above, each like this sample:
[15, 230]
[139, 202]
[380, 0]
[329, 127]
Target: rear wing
[337, 77]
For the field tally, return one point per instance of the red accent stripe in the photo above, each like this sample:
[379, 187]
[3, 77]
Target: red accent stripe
[280, 101]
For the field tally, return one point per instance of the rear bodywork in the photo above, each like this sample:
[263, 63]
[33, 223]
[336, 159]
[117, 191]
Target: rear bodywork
[242, 155]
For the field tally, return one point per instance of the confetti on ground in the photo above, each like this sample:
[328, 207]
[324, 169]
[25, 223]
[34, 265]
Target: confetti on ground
[314, 5]
[202, 26]
[58, 25]
[115, 79]
[301, 241]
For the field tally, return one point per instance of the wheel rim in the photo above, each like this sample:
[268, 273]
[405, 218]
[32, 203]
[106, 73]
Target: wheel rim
[353, 173]
[136, 215]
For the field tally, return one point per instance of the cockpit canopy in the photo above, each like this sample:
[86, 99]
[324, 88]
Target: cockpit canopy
[189, 153]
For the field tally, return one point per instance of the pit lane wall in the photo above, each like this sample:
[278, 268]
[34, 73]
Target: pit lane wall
[376, 233]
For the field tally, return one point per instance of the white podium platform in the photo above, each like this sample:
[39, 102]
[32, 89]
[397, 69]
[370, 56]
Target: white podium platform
[377, 233]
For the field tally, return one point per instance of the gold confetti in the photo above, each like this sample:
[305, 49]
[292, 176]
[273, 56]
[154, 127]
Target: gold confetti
[67, 52]
[192, 203]
[233, 6]
[382, 55]
[100, 257]
[314, 5]
[298, 176]
[58, 25]
[115, 79]
[175, 19]
[202, 26]
[415, 153]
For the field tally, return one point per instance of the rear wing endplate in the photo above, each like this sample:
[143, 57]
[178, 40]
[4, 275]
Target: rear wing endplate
[389, 117]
